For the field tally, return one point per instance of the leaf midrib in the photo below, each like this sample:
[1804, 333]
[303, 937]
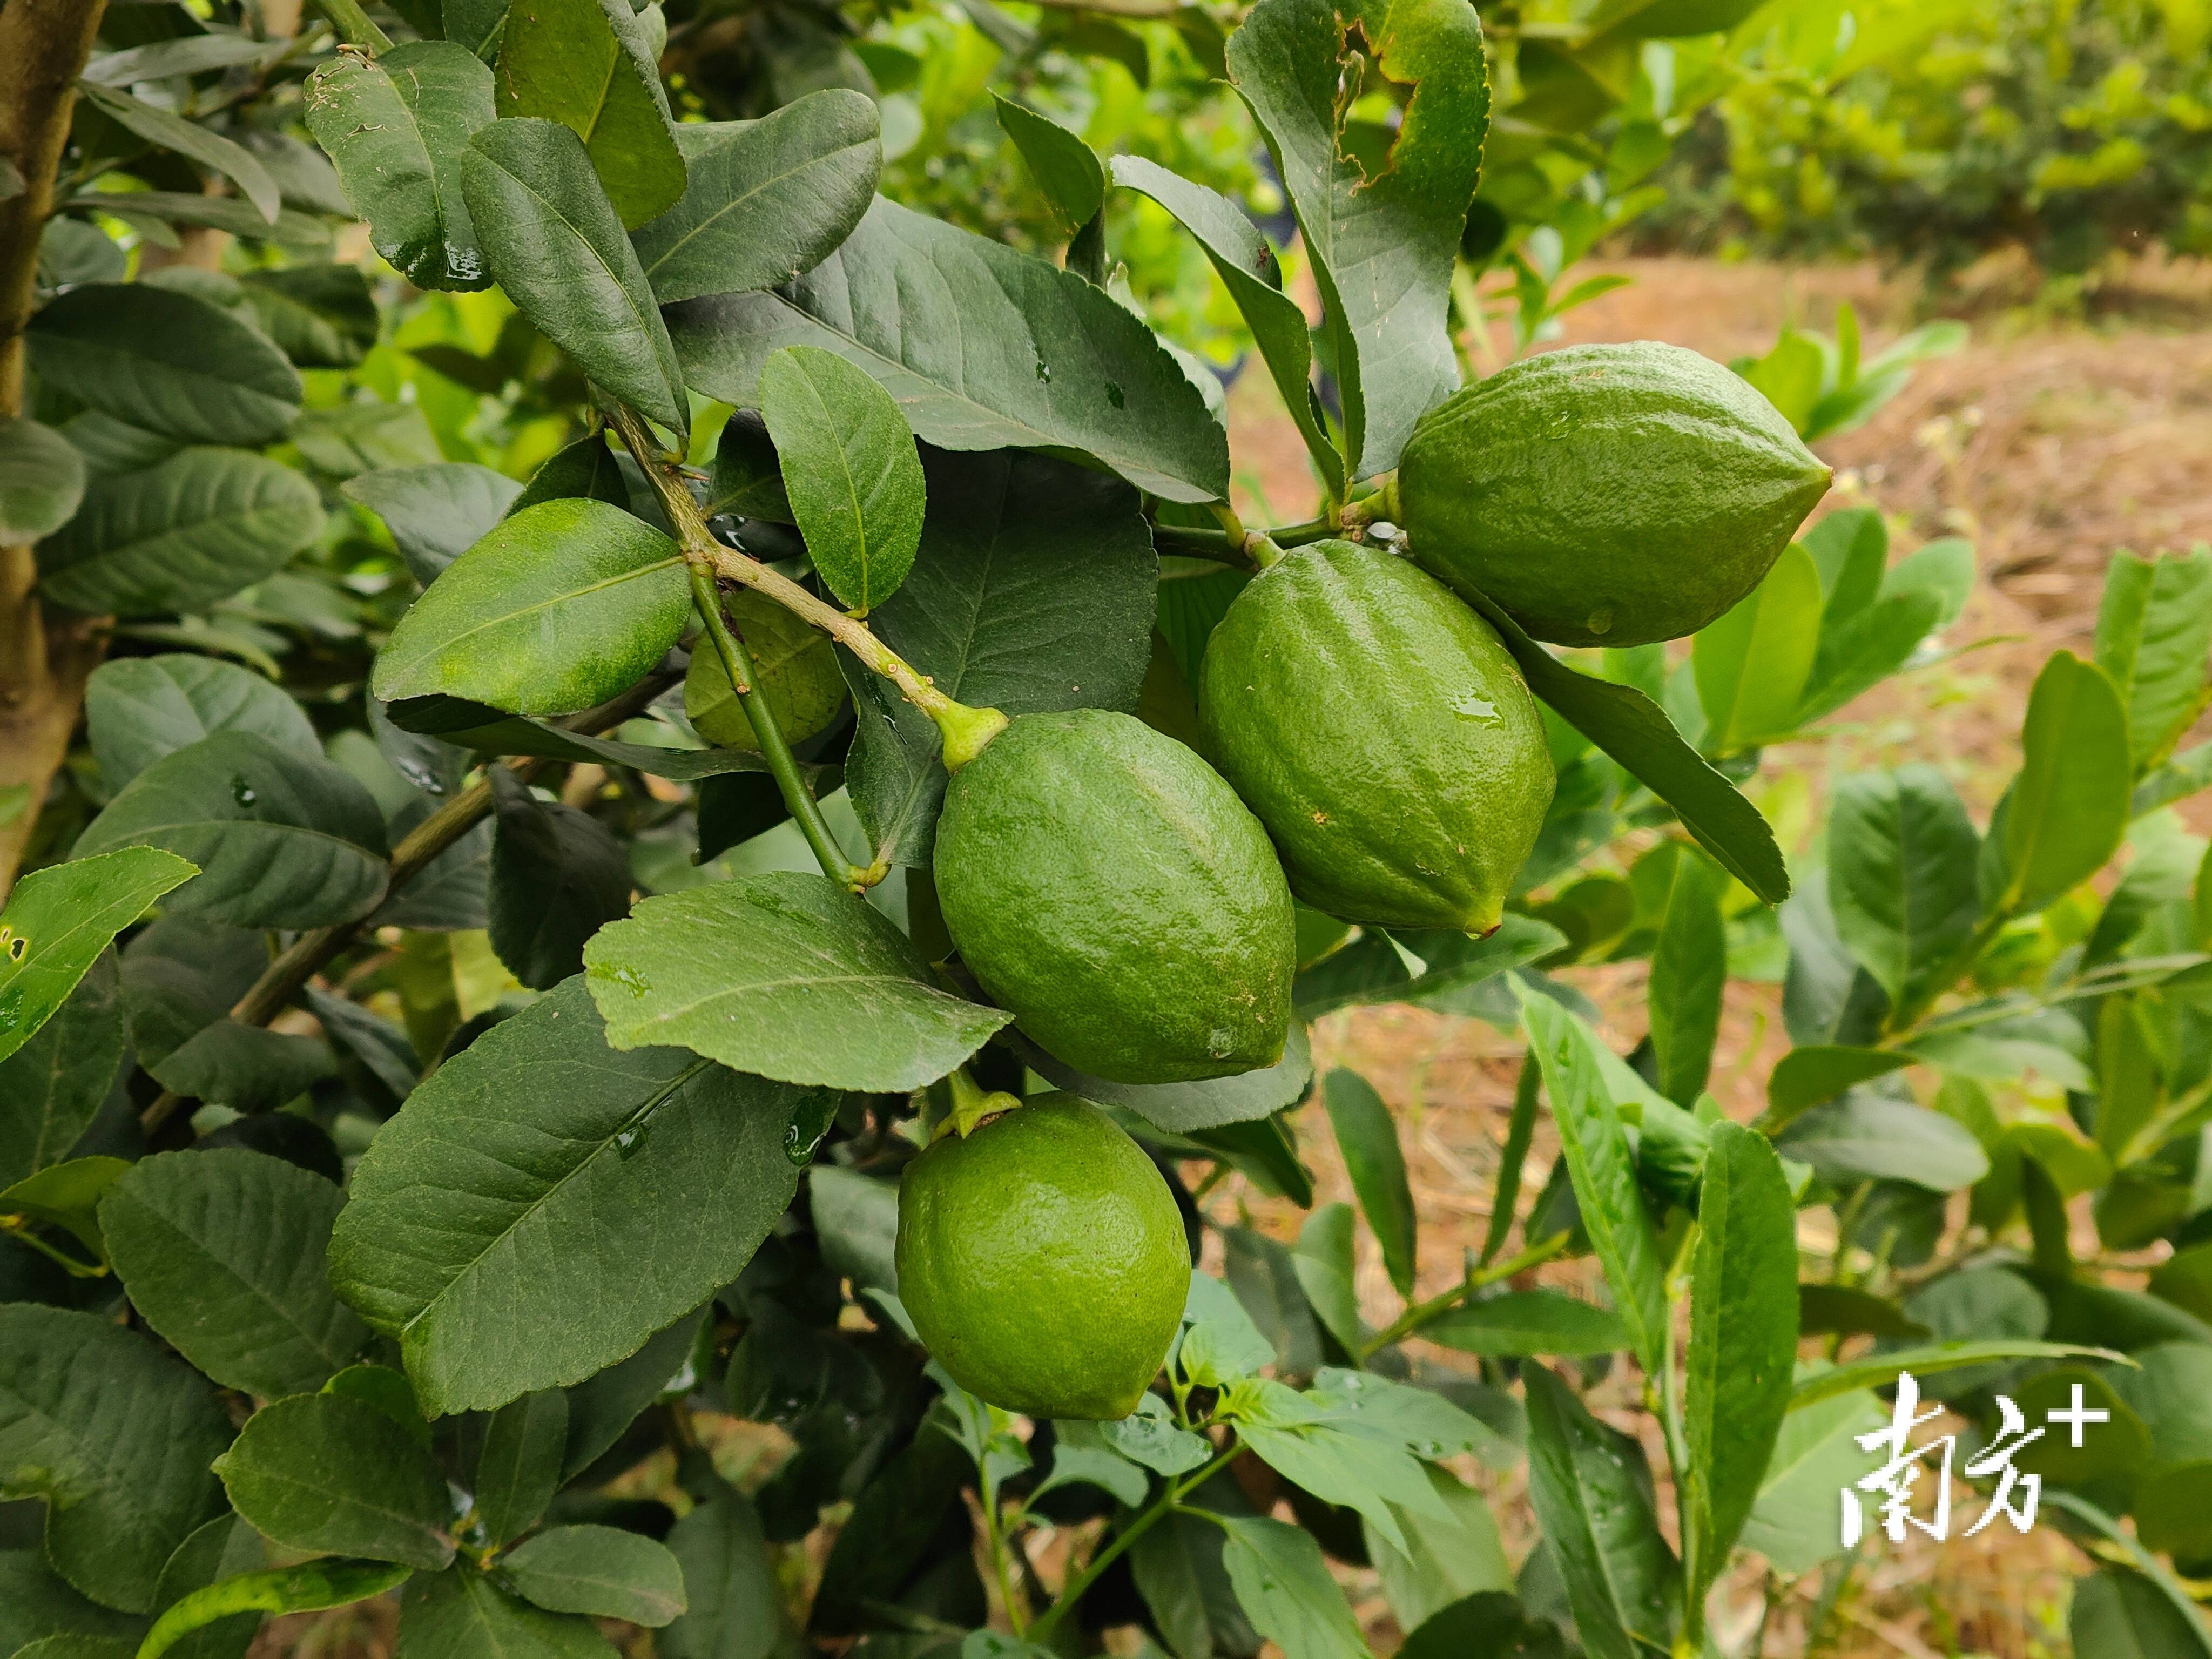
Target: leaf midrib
[736, 201]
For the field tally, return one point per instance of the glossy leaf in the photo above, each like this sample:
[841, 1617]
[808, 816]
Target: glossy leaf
[982, 347]
[2068, 808]
[116, 1435]
[850, 472]
[1384, 246]
[58, 921]
[1222, 1103]
[600, 1571]
[1743, 1340]
[281, 841]
[557, 876]
[589, 66]
[327, 1473]
[167, 361]
[179, 535]
[53, 1087]
[1067, 170]
[1902, 856]
[138, 709]
[308, 1588]
[767, 199]
[435, 512]
[2153, 628]
[1521, 1322]
[559, 608]
[557, 247]
[1368, 1141]
[1753, 664]
[221, 1252]
[537, 1135]
[41, 480]
[785, 976]
[1689, 972]
[1872, 646]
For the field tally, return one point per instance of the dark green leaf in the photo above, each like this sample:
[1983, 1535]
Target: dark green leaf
[179, 535]
[281, 841]
[152, 213]
[325, 1474]
[1752, 665]
[1383, 243]
[181, 978]
[588, 65]
[166, 361]
[436, 512]
[308, 1588]
[538, 1134]
[586, 467]
[1866, 1137]
[1067, 169]
[138, 709]
[558, 608]
[746, 480]
[1743, 1340]
[1489, 1623]
[221, 1253]
[1592, 1494]
[59, 920]
[116, 1435]
[982, 347]
[2066, 811]
[2118, 1615]
[600, 1571]
[605, 1405]
[554, 242]
[1528, 1323]
[1222, 1104]
[1689, 971]
[1807, 1076]
[323, 316]
[557, 876]
[41, 480]
[733, 1608]
[1286, 1591]
[1368, 1141]
[168, 130]
[850, 472]
[463, 1615]
[53, 1086]
[785, 975]
[519, 1469]
[767, 199]
[1902, 855]
[2153, 630]
[36, 1603]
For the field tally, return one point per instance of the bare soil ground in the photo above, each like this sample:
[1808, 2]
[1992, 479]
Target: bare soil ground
[2047, 443]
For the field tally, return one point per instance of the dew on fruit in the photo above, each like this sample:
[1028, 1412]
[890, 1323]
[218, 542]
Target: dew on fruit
[242, 791]
[1480, 709]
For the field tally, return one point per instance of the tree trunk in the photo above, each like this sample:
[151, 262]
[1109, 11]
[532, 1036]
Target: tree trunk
[45, 656]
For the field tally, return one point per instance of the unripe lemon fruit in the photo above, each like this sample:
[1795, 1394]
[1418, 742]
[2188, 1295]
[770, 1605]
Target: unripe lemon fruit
[1043, 1261]
[1606, 495]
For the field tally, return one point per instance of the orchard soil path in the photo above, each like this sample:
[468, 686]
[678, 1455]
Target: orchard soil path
[2048, 444]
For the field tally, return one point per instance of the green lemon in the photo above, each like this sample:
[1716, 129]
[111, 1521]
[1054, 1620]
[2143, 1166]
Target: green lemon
[1382, 735]
[1043, 1261]
[1606, 495]
[797, 670]
[1108, 888]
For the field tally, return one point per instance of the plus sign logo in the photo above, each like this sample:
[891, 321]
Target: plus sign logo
[1905, 1507]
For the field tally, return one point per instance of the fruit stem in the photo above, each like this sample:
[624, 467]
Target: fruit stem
[971, 1104]
[768, 732]
[965, 730]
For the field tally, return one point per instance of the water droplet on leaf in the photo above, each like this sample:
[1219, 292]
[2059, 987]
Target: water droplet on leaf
[242, 791]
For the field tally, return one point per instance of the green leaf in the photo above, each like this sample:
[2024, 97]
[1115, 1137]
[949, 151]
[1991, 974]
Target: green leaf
[41, 480]
[559, 608]
[2117, 1615]
[1447, 1558]
[1368, 1141]
[463, 1615]
[1285, 1589]
[1067, 169]
[1631, 728]
[166, 361]
[1603, 1171]
[2153, 628]
[138, 709]
[66, 1195]
[179, 535]
[519, 1469]
[36, 1603]
[536, 1135]
[1752, 665]
[785, 975]
[850, 471]
[600, 1571]
[557, 247]
[605, 1404]
[180, 979]
[388, 1391]
[1323, 1262]
[1902, 855]
[1816, 1454]
[152, 213]
[588, 65]
[982, 347]
[309, 1588]
[1689, 972]
[116, 1435]
[1592, 1492]
[1148, 1436]
[1382, 246]
[732, 1604]
[436, 512]
[1491, 1623]
[1879, 1370]
[321, 316]
[2068, 808]
[1866, 1137]
[166, 130]
[53, 1087]
[281, 841]
[1521, 1322]
[221, 1252]
[1249, 270]
[558, 875]
[1743, 1340]
[328, 1474]
[1808, 1076]
[767, 199]
[59, 920]
[1219, 1341]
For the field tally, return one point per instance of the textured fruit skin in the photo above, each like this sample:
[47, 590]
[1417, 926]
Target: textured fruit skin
[1606, 495]
[1381, 731]
[1110, 891]
[797, 666]
[1043, 1261]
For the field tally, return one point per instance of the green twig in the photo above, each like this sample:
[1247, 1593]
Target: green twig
[1420, 1313]
[1171, 1494]
[355, 27]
